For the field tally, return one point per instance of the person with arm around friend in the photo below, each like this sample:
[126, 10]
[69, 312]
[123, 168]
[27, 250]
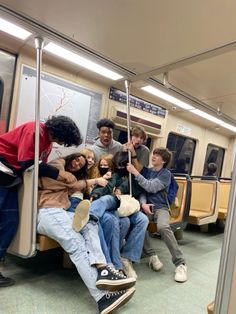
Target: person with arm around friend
[82, 244]
[16, 155]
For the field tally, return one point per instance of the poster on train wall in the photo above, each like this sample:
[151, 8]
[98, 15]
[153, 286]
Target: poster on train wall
[59, 97]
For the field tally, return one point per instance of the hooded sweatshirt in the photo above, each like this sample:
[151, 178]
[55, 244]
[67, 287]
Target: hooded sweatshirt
[100, 149]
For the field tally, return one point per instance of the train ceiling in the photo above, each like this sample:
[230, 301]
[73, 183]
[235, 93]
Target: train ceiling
[192, 41]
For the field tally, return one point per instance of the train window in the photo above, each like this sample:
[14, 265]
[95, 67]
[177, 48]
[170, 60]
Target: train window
[182, 149]
[121, 136]
[214, 154]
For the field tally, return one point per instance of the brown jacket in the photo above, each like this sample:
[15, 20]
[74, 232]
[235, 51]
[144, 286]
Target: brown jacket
[54, 193]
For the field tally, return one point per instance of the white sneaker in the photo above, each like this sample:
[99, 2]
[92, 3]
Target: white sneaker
[128, 268]
[154, 263]
[181, 273]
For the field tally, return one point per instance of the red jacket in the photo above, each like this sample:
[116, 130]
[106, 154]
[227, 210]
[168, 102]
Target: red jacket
[17, 145]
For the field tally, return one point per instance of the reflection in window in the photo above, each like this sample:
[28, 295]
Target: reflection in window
[214, 154]
[182, 149]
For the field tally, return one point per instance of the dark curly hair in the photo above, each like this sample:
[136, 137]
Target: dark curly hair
[105, 122]
[64, 129]
[81, 173]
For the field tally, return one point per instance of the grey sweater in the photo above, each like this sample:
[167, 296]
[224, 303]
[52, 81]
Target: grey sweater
[143, 153]
[100, 149]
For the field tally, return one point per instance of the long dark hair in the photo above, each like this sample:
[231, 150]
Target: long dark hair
[82, 172]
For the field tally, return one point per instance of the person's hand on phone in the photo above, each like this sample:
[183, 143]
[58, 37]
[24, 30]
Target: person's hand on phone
[147, 209]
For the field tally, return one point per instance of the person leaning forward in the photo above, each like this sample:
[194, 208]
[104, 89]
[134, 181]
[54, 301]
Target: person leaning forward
[16, 155]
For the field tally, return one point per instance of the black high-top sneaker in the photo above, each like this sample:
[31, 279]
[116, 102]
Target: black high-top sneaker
[113, 300]
[111, 279]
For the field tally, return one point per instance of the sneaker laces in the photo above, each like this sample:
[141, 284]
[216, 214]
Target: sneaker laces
[114, 294]
[115, 272]
[181, 269]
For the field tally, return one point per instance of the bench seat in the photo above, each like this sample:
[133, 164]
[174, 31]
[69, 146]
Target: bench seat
[45, 243]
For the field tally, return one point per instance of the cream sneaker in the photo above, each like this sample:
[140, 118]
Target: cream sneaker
[128, 268]
[154, 263]
[81, 216]
[181, 273]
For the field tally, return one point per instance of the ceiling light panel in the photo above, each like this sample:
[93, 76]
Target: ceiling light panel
[207, 116]
[159, 93]
[13, 29]
[81, 61]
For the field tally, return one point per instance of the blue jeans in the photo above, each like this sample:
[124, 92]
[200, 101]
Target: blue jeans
[104, 209]
[56, 223]
[74, 201]
[132, 249]
[9, 217]
[124, 229]
[111, 231]
[104, 203]
[136, 223]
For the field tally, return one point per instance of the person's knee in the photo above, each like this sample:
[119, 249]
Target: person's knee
[124, 223]
[142, 220]
[108, 223]
[163, 227]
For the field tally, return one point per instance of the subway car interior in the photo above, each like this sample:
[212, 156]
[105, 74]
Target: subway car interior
[179, 60]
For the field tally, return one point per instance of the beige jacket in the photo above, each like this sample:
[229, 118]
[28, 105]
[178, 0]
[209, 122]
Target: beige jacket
[54, 193]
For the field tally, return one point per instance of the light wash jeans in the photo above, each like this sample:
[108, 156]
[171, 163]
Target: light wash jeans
[104, 203]
[162, 219]
[74, 201]
[83, 248]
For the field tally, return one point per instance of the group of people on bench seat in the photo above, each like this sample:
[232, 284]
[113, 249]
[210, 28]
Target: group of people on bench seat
[78, 200]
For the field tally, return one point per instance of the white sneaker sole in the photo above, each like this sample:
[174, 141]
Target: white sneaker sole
[181, 280]
[114, 285]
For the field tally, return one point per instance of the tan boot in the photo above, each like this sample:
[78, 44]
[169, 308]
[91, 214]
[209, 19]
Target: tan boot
[128, 268]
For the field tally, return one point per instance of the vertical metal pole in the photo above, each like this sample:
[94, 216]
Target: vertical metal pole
[127, 87]
[228, 253]
[39, 47]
